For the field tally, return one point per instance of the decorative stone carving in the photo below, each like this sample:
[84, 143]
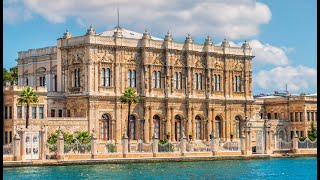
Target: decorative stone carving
[157, 59]
[218, 65]
[237, 66]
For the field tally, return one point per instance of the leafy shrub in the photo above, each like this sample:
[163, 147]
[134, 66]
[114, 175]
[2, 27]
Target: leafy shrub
[83, 137]
[111, 147]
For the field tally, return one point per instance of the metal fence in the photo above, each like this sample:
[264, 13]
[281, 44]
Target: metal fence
[283, 145]
[198, 146]
[307, 144]
[77, 148]
[228, 146]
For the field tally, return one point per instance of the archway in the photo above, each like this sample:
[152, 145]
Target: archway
[156, 121]
[105, 127]
[218, 126]
[132, 128]
[178, 129]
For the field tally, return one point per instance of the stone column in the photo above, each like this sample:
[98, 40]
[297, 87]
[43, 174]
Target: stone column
[155, 142]
[183, 144]
[93, 145]
[243, 143]
[16, 148]
[193, 125]
[151, 128]
[249, 142]
[213, 143]
[295, 146]
[146, 126]
[60, 147]
[124, 144]
[267, 151]
[43, 143]
[23, 145]
[173, 137]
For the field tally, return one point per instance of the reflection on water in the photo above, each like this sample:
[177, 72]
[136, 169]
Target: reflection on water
[279, 168]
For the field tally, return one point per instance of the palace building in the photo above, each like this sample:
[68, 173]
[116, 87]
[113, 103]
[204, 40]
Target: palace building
[184, 89]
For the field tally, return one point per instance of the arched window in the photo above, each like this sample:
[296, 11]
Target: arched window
[41, 74]
[79, 77]
[175, 80]
[103, 76]
[179, 81]
[177, 127]
[235, 83]
[195, 81]
[104, 127]
[156, 121]
[239, 84]
[134, 78]
[108, 77]
[218, 83]
[129, 78]
[132, 123]
[214, 83]
[154, 84]
[159, 79]
[236, 127]
[218, 127]
[198, 127]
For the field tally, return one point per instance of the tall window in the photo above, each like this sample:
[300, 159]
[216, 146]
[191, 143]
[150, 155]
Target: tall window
[301, 116]
[131, 78]
[19, 111]
[214, 83]
[104, 127]
[10, 112]
[235, 83]
[103, 77]
[198, 127]
[275, 115]
[195, 81]
[296, 116]
[179, 80]
[239, 84]
[55, 83]
[159, 79]
[291, 117]
[175, 80]
[41, 81]
[154, 79]
[132, 122]
[218, 127]
[77, 77]
[53, 113]
[41, 112]
[178, 127]
[312, 116]
[269, 115]
[60, 113]
[156, 121]
[199, 82]
[308, 116]
[34, 112]
[10, 136]
[6, 112]
[218, 83]
[108, 77]
[236, 126]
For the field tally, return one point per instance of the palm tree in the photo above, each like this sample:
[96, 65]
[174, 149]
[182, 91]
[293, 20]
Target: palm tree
[129, 97]
[28, 96]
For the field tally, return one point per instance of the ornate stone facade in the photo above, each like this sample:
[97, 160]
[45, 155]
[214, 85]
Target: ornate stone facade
[184, 88]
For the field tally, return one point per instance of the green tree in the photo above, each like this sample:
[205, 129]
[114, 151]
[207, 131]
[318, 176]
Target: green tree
[14, 75]
[28, 96]
[6, 75]
[129, 97]
[83, 137]
[312, 134]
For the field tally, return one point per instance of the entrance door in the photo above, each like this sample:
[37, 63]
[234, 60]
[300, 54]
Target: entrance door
[32, 145]
[260, 142]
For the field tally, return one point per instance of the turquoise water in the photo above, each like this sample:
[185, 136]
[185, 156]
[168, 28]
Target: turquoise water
[276, 168]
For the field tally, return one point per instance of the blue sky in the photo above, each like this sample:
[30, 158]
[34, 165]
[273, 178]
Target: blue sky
[282, 34]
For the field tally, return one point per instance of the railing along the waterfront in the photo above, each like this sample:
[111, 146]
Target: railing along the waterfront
[108, 147]
[144, 147]
[283, 145]
[77, 147]
[198, 146]
[169, 147]
[8, 149]
[307, 144]
[233, 145]
[50, 150]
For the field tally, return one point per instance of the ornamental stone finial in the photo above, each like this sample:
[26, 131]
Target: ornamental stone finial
[146, 34]
[91, 31]
[208, 41]
[225, 42]
[168, 36]
[188, 39]
[245, 45]
[67, 34]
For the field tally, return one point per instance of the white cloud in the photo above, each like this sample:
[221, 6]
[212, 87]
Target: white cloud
[221, 18]
[299, 79]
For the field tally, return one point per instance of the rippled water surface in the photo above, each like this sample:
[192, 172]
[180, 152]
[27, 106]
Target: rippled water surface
[276, 168]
